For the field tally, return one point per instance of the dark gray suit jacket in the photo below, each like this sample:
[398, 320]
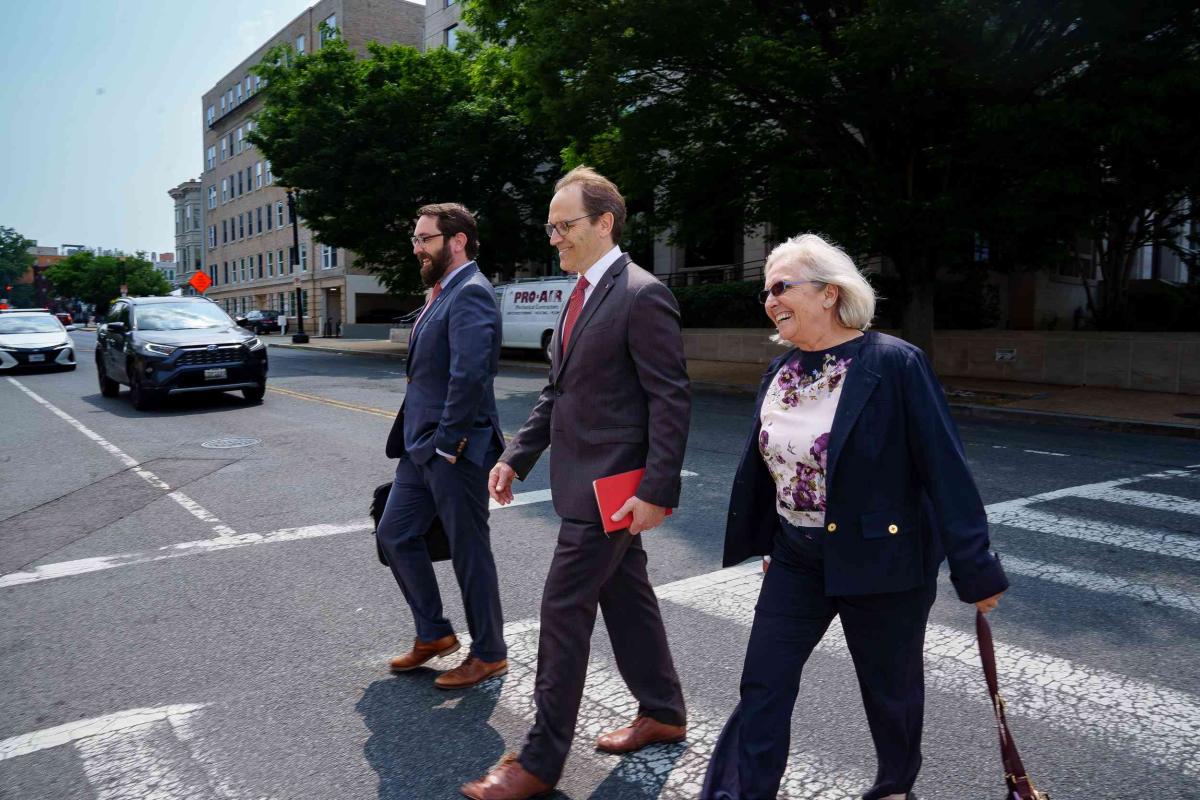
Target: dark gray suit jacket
[618, 399]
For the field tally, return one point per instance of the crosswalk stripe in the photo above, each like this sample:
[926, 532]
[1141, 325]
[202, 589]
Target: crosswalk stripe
[1098, 582]
[27, 743]
[1153, 500]
[1146, 540]
[1159, 723]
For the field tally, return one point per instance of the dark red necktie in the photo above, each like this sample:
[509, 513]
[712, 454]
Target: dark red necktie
[437, 289]
[574, 306]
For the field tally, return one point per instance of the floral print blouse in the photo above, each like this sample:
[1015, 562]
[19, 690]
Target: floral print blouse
[797, 415]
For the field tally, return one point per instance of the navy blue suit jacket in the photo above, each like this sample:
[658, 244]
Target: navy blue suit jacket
[453, 358]
[900, 495]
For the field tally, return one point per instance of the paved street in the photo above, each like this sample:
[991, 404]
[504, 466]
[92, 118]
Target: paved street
[182, 618]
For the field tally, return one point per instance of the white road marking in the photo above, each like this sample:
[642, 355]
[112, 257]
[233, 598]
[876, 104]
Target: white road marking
[1159, 723]
[1045, 453]
[1153, 500]
[1098, 582]
[1146, 540]
[187, 503]
[28, 743]
[83, 566]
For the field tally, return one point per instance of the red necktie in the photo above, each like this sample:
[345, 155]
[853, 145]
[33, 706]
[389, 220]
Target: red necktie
[574, 306]
[437, 289]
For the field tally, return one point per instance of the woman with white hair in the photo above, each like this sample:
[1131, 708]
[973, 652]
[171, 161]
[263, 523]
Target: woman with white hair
[854, 482]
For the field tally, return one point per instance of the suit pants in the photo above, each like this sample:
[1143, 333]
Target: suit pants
[885, 634]
[458, 494]
[589, 570]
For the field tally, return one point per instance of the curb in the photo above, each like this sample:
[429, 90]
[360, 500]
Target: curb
[965, 410]
[1075, 420]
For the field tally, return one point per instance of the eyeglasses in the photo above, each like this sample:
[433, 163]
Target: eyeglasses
[564, 227]
[779, 287]
[421, 240]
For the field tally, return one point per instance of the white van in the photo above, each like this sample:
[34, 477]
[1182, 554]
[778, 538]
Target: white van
[529, 308]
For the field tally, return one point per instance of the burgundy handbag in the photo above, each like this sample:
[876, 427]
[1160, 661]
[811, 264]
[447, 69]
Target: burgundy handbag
[1019, 786]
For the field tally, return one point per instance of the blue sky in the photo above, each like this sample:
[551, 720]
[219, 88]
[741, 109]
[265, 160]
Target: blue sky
[101, 110]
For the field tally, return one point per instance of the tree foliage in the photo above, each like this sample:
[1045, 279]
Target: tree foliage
[97, 279]
[15, 258]
[365, 142]
[901, 130]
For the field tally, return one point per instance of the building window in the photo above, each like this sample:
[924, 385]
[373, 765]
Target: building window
[224, 232]
[257, 83]
[222, 105]
[450, 37]
[270, 264]
[303, 256]
[224, 151]
[258, 175]
[279, 214]
[248, 90]
[250, 179]
[329, 28]
[212, 273]
[328, 257]
[270, 177]
[260, 265]
[242, 230]
[229, 98]
[239, 94]
[178, 220]
[249, 129]
[238, 144]
[244, 275]
[239, 183]
[225, 267]
[279, 258]
[195, 217]
[212, 196]
[259, 209]
[210, 161]
[210, 115]
[269, 215]
[300, 44]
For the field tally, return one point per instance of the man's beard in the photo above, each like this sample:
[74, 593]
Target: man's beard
[435, 269]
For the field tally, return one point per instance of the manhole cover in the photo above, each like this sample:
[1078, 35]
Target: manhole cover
[230, 442]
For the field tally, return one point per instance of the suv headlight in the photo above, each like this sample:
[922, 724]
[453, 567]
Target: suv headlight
[254, 343]
[158, 349]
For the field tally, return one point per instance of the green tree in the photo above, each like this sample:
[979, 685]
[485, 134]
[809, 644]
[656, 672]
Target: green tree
[97, 279]
[15, 258]
[366, 141]
[896, 128]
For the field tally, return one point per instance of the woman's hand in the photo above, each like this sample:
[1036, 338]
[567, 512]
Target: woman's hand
[990, 603]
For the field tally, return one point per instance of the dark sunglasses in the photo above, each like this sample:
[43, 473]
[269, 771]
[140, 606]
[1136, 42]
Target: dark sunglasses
[779, 287]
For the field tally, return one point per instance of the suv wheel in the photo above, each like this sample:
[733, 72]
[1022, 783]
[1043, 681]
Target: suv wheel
[256, 394]
[143, 399]
[108, 387]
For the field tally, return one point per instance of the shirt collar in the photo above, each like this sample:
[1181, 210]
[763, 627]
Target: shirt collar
[596, 271]
[449, 276]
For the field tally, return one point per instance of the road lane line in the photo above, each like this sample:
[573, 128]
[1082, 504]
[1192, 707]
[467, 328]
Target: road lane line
[27, 743]
[84, 566]
[1146, 540]
[188, 504]
[1161, 724]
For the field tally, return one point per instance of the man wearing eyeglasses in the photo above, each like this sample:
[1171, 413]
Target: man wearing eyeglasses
[446, 436]
[617, 400]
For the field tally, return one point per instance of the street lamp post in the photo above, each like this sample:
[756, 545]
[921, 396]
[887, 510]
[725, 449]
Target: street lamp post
[299, 337]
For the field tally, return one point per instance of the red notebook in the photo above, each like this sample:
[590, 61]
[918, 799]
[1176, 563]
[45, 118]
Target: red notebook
[611, 494]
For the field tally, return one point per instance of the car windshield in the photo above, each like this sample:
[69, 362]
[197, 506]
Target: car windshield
[34, 323]
[180, 317]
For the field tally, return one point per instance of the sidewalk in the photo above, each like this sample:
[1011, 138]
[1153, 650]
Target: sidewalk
[978, 398]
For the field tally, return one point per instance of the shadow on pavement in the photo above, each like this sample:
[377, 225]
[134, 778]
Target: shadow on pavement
[179, 405]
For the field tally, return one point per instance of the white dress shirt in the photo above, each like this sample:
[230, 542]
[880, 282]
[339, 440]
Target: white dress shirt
[595, 273]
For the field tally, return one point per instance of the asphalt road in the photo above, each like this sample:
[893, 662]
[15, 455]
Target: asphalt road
[182, 621]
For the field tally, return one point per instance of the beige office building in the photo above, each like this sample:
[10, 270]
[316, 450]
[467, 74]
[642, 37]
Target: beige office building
[248, 250]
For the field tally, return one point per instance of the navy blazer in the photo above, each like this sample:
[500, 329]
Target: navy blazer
[900, 497]
[453, 358]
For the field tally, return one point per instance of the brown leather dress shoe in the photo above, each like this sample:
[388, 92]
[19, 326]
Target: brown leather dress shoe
[424, 651]
[641, 732]
[508, 780]
[471, 672]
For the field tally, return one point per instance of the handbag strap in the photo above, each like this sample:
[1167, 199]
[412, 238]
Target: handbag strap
[1018, 782]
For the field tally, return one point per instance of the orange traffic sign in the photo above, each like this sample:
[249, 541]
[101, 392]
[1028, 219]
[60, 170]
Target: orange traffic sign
[200, 282]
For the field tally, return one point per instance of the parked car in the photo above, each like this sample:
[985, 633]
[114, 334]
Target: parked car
[64, 318]
[529, 310]
[261, 321]
[34, 338]
[160, 346]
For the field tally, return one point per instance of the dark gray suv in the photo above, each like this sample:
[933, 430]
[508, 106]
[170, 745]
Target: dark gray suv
[162, 346]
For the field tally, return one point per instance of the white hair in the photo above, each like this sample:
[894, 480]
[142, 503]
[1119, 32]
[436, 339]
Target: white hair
[816, 259]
